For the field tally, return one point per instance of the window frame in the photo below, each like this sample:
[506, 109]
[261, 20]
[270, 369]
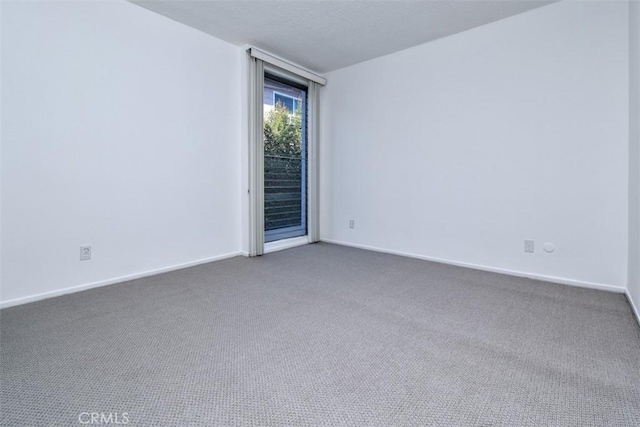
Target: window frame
[295, 100]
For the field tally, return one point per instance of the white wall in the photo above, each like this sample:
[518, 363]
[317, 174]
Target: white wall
[634, 155]
[121, 130]
[462, 148]
[1, 136]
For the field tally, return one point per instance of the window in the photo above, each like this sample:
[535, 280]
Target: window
[285, 161]
[288, 101]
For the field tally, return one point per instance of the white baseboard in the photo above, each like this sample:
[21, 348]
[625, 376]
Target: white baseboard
[516, 273]
[73, 289]
[634, 307]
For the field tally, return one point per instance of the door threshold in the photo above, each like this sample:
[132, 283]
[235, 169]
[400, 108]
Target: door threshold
[279, 245]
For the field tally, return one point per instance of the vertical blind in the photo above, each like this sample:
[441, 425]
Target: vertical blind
[256, 158]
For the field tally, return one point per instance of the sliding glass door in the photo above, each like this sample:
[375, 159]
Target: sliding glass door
[285, 159]
[283, 153]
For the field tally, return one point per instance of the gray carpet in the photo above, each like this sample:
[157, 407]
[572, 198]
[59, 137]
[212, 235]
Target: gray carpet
[324, 335]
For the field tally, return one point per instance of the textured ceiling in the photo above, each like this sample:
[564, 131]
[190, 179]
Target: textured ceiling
[327, 35]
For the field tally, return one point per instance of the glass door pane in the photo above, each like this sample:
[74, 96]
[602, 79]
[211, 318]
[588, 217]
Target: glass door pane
[285, 160]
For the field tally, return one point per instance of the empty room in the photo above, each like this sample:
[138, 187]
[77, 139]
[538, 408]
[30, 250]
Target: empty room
[320, 213]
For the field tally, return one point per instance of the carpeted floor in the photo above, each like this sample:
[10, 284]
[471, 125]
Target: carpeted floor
[323, 335]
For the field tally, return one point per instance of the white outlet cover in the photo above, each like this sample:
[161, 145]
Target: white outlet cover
[85, 253]
[529, 246]
[549, 247]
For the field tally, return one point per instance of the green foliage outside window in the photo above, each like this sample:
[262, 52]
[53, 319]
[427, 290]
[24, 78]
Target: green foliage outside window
[283, 131]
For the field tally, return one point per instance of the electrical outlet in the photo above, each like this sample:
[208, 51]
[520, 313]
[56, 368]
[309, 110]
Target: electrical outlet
[528, 246]
[352, 224]
[85, 253]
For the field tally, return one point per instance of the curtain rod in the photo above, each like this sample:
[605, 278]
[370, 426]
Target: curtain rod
[270, 59]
